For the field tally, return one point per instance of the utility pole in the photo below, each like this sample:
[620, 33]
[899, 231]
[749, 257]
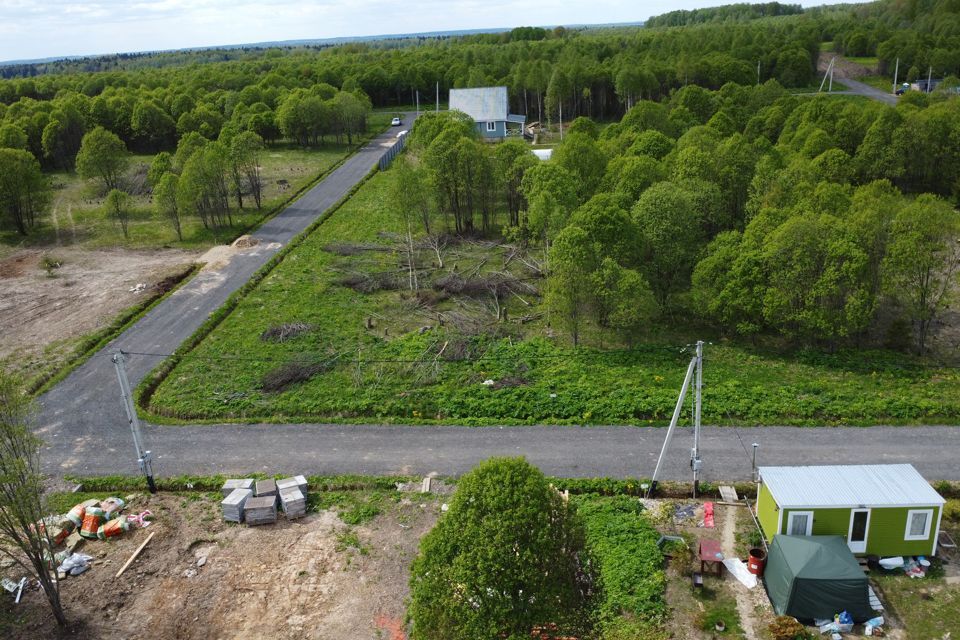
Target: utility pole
[929, 77]
[418, 103]
[758, 73]
[673, 426]
[144, 458]
[896, 73]
[828, 73]
[754, 474]
[561, 120]
[695, 462]
[438, 96]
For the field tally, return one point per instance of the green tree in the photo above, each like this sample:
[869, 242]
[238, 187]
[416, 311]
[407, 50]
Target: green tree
[581, 156]
[117, 206]
[152, 127]
[22, 486]
[12, 136]
[670, 228]
[512, 159]
[570, 289]
[24, 192]
[818, 286]
[161, 164]
[625, 302]
[501, 561]
[922, 260]
[103, 155]
[245, 152]
[165, 201]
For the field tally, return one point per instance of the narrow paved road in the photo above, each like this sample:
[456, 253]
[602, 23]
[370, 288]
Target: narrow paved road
[82, 418]
[857, 88]
[86, 431]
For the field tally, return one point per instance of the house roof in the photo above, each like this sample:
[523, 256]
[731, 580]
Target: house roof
[869, 485]
[483, 104]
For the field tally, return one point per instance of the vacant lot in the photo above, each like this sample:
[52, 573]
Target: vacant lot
[44, 312]
[335, 333]
[75, 274]
[316, 577]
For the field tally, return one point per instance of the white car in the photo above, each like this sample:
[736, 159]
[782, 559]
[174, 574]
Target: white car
[395, 122]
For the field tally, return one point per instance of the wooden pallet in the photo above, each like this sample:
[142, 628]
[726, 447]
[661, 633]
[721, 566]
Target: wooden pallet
[728, 493]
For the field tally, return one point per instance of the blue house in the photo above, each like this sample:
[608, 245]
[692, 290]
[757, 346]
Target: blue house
[489, 108]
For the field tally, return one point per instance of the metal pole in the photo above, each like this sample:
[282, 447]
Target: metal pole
[144, 458]
[438, 96]
[896, 73]
[831, 79]
[698, 400]
[929, 77]
[754, 474]
[561, 120]
[673, 425]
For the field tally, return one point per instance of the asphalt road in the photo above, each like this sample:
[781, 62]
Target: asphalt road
[83, 422]
[82, 419]
[857, 88]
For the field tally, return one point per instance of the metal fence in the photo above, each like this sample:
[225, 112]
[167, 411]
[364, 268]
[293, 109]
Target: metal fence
[392, 152]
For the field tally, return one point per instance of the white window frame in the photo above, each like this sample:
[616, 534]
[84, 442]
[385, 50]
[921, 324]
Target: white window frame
[809, 515]
[491, 127]
[926, 529]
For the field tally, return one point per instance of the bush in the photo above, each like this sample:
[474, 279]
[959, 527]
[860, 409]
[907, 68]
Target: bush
[503, 560]
[787, 628]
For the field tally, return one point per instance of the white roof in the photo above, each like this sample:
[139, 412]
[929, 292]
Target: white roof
[543, 154]
[483, 104]
[869, 485]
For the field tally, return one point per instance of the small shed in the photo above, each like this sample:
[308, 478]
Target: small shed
[810, 577]
[881, 509]
[490, 109]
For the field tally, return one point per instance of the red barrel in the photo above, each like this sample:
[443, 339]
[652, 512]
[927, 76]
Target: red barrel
[756, 561]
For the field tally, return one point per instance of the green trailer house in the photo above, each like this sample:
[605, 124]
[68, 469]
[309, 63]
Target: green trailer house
[883, 509]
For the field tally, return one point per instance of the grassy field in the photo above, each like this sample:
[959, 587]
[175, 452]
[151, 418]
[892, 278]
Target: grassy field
[76, 215]
[368, 349]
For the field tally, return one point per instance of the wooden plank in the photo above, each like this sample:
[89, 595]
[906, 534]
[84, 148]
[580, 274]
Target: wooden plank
[728, 493]
[135, 554]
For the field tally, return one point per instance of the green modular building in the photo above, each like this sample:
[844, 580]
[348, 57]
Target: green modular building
[883, 510]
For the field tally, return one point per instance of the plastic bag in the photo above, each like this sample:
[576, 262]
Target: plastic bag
[73, 561]
[112, 507]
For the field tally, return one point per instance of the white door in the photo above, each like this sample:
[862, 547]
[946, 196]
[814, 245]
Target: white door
[859, 527]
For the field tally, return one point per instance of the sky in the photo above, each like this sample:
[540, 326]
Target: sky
[31, 29]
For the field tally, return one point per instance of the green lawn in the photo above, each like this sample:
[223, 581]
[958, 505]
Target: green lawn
[383, 356]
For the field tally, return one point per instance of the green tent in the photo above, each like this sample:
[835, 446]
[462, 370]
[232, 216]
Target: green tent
[811, 577]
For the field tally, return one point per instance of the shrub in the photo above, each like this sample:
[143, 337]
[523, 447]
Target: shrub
[787, 628]
[501, 561]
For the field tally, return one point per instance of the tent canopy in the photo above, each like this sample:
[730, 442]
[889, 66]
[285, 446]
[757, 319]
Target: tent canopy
[811, 577]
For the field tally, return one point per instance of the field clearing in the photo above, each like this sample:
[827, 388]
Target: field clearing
[374, 351]
[48, 315]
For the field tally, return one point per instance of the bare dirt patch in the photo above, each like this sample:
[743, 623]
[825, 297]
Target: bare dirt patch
[843, 68]
[83, 294]
[199, 577]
